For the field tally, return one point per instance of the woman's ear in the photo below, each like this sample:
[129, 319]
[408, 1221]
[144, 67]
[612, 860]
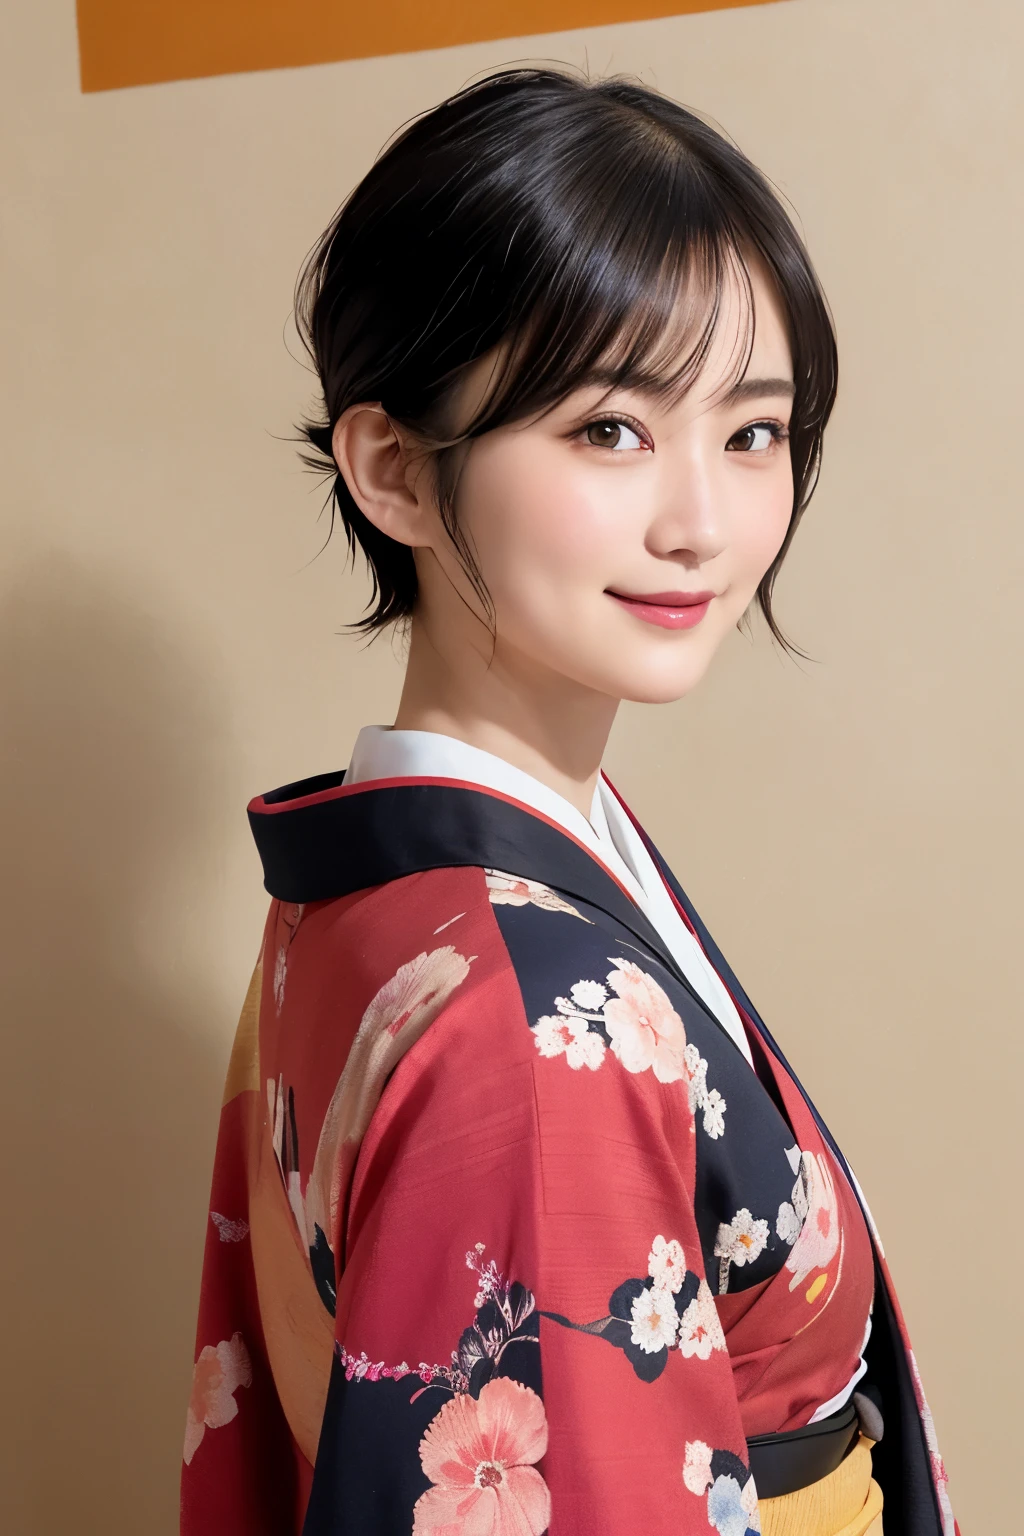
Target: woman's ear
[386, 480]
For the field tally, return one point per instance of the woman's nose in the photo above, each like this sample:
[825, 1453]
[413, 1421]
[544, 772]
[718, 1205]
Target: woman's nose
[690, 518]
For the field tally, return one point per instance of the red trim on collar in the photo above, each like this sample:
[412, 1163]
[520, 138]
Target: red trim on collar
[259, 807]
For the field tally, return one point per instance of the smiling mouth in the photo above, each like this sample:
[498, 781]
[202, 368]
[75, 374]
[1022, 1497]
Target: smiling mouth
[669, 610]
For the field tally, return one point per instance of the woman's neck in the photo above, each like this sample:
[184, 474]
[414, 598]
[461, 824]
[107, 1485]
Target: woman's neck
[504, 703]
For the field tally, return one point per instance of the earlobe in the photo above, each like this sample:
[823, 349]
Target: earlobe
[373, 456]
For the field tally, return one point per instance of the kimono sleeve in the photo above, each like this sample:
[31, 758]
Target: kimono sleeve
[526, 1341]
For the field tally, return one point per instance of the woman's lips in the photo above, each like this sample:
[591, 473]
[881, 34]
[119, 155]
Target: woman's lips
[670, 610]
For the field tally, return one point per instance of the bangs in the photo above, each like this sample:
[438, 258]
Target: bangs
[649, 329]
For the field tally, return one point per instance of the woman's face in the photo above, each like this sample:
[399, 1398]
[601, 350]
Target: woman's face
[621, 538]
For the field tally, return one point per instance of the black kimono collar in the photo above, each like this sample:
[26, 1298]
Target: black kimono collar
[319, 839]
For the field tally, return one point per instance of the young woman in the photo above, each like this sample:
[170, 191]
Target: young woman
[520, 1221]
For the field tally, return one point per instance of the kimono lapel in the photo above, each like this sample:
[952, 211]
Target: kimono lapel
[907, 1460]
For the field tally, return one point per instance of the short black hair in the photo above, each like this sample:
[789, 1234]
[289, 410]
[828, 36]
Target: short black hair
[563, 219]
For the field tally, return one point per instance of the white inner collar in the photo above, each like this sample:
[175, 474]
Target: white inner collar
[383, 753]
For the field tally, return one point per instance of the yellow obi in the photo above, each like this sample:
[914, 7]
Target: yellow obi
[846, 1503]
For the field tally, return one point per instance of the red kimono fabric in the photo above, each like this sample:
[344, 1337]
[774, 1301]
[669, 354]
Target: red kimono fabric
[506, 1236]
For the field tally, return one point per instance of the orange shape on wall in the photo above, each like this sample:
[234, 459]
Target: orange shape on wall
[140, 42]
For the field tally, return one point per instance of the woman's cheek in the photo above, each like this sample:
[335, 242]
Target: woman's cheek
[551, 534]
[767, 532]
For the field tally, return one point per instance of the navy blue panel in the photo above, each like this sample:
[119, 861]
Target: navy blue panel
[368, 1474]
[747, 1166]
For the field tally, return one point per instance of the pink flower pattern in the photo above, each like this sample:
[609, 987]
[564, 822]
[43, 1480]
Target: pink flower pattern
[640, 1025]
[218, 1373]
[480, 1455]
[646, 1032]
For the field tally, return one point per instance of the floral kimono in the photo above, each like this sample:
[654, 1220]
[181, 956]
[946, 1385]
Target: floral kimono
[506, 1236]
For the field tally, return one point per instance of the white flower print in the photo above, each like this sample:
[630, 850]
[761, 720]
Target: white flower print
[515, 891]
[801, 1196]
[788, 1223]
[569, 1030]
[700, 1328]
[815, 1202]
[714, 1114]
[228, 1230]
[739, 1242]
[698, 1084]
[793, 1212]
[654, 1320]
[697, 1467]
[743, 1239]
[555, 1035]
[589, 995]
[710, 1103]
[666, 1263]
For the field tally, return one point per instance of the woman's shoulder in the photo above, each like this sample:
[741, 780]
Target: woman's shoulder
[370, 932]
[459, 964]
[331, 959]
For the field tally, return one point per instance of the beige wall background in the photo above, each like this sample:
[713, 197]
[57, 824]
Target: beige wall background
[850, 828]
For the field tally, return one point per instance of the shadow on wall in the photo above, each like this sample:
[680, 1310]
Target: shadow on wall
[107, 1087]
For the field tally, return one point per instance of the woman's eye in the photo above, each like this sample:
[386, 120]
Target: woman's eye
[757, 438]
[613, 434]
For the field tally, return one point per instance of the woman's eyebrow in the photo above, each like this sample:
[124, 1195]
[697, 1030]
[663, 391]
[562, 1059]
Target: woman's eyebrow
[743, 389]
[751, 389]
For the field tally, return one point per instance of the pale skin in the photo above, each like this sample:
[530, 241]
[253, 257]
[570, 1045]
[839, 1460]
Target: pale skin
[611, 495]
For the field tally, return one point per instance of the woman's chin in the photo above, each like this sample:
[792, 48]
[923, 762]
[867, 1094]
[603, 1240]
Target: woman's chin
[664, 693]
[657, 682]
